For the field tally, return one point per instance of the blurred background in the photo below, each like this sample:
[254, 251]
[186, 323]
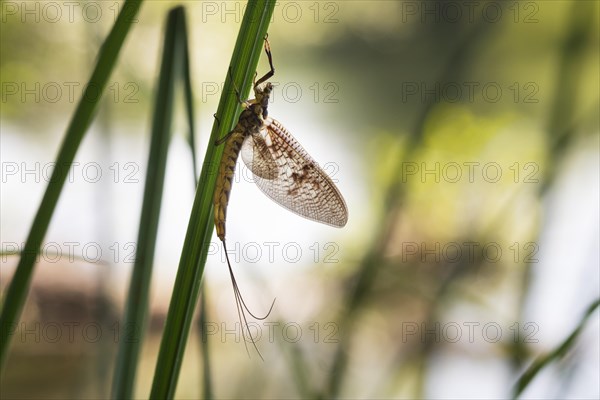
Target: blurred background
[464, 137]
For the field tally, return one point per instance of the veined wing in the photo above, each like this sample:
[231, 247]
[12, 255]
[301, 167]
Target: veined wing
[297, 183]
[258, 157]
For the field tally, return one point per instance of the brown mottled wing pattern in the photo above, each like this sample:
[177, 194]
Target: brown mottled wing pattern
[258, 158]
[285, 172]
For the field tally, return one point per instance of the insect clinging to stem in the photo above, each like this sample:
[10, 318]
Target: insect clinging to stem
[282, 170]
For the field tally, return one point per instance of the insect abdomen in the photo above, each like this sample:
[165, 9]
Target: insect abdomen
[224, 180]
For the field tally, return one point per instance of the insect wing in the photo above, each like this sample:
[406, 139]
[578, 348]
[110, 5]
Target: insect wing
[299, 184]
[258, 157]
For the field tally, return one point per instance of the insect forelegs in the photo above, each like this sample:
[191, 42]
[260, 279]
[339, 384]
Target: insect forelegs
[272, 71]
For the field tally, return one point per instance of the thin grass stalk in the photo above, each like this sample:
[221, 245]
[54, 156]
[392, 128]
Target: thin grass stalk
[82, 118]
[200, 228]
[172, 70]
[559, 352]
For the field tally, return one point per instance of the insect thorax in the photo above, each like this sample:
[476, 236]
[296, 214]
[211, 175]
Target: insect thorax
[252, 118]
[261, 97]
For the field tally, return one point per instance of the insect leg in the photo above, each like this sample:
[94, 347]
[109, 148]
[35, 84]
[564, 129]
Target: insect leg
[237, 92]
[272, 71]
[224, 138]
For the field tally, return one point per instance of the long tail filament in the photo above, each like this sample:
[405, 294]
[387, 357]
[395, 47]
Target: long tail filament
[241, 306]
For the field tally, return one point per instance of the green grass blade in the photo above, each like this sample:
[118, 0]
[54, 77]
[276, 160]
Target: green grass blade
[191, 138]
[528, 376]
[80, 122]
[189, 105]
[207, 390]
[245, 58]
[189, 100]
[172, 68]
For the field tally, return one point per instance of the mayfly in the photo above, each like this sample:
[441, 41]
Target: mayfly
[282, 169]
